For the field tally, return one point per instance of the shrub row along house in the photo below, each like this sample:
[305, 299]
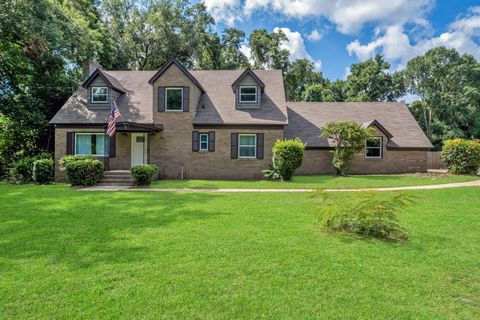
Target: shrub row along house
[221, 124]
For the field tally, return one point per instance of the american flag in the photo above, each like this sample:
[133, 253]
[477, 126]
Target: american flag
[114, 115]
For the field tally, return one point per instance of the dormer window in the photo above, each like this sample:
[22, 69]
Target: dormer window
[174, 99]
[99, 94]
[248, 94]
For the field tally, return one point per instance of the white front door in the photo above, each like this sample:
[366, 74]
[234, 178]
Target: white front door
[139, 148]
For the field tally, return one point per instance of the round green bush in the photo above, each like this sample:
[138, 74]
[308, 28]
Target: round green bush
[66, 159]
[22, 169]
[42, 171]
[461, 156]
[84, 172]
[143, 174]
[287, 157]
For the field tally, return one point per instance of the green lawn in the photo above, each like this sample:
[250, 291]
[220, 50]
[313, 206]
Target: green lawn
[327, 182]
[66, 254]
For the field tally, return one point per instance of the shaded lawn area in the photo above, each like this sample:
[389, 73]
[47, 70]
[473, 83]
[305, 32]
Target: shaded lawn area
[130, 255]
[322, 181]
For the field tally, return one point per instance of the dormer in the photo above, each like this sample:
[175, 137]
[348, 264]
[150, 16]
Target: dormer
[248, 89]
[175, 89]
[102, 87]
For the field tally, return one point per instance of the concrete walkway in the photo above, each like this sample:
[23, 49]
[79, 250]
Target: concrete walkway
[475, 183]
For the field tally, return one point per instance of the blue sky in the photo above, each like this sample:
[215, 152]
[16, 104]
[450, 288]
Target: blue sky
[335, 34]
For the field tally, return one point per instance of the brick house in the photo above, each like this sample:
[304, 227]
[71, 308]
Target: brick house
[216, 124]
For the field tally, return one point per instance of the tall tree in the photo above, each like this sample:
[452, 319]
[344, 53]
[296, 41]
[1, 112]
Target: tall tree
[448, 85]
[233, 58]
[42, 45]
[326, 91]
[267, 51]
[299, 75]
[371, 81]
[146, 34]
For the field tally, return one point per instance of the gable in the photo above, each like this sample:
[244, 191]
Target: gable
[174, 63]
[111, 81]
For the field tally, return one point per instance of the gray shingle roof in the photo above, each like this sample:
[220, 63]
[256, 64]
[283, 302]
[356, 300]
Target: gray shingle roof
[217, 105]
[134, 106]
[307, 118]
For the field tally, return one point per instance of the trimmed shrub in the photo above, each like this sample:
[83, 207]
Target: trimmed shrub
[84, 172]
[42, 171]
[461, 156]
[143, 174]
[287, 157]
[66, 159]
[372, 215]
[22, 169]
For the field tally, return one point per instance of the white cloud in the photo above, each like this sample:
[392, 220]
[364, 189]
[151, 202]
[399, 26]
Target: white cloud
[348, 15]
[394, 42]
[296, 46]
[315, 35]
[247, 51]
[228, 11]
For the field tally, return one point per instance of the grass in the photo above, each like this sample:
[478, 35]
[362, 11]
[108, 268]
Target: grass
[326, 182]
[130, 255]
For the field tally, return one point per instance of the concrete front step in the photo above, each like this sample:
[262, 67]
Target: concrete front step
[116, 178]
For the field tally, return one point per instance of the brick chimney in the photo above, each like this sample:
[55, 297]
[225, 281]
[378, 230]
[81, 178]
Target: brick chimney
[88, 67]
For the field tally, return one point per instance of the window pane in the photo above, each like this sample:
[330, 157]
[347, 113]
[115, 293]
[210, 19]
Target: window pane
[247, 140]
[100, 145]
[247, 151]
[373, 152]
[83, 144]
[247, 98]
[203, 138]
[251, 90]
[97, 98]
[203, 146]
[373, 143]
[91, 144]
[174, 99]
[101, 90]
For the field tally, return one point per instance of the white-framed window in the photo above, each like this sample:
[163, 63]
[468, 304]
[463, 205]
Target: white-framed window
[99, 95]
[247, 145]
[373, 148]
[248, 94]
[91, 144]
[203, 141]
[173, 99]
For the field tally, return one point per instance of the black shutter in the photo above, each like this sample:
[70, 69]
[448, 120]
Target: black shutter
[195, 142]
[186, 99]
[260, 139]
[211, 141]
[112, 150]
[161, 99]
[234, 151]
[70, 143]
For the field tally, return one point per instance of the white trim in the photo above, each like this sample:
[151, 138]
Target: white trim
[255, 145]
[166, 98]
[107, 144]
[200, 141]
[249, 94]
[91, 95]
[380, 148]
